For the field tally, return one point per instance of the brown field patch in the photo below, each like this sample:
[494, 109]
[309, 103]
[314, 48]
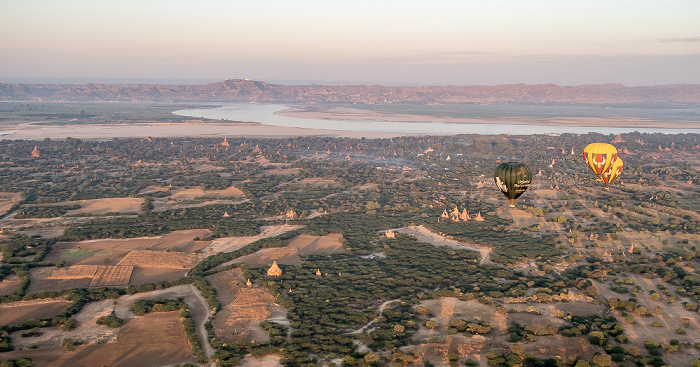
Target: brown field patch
[16, 312]
[40, 281]
[243, 308]
[282, 171]
[266, 361]
[316, 182]
[9, 285]
[73, 272]
[312, 245]
[548, 193]
[7, 199]
[182, 240]
[153, 189]
[156, 339]
[291, 254]
[108, 205]
[94, 252]
[152, 275]
[160, 259]
[228, 244]
[196, 192]
[520, 217]
[111, 276]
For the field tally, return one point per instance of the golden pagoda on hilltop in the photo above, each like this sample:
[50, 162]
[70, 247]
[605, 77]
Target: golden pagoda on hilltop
[35, 152]
[274, 270]
[225, 143]
[479, 218]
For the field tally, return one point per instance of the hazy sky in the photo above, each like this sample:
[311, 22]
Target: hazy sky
[438, 42]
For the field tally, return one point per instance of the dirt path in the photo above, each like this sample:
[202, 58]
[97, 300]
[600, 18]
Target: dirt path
[381, 309]
[424, 234]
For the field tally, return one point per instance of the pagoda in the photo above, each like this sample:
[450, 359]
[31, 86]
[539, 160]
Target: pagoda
[274, 270]
[35, 152]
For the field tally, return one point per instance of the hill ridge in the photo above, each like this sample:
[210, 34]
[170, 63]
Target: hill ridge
[247, 91]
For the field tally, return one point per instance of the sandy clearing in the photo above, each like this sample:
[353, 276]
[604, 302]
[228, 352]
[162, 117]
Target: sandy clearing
[9, 284]
[153, 340]
[87, 330]
[102, 206]
[243, 308]
[228, 244]
[7, 199]
[291, 254]
[520, 217]
[197, 192]
[267, 361]
[424, 234]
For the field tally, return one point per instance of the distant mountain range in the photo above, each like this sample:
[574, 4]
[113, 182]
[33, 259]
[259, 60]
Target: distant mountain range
[243, 90]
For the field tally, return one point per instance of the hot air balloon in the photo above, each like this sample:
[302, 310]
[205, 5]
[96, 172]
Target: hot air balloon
[599, 157]
[611, 174]
[512, 178]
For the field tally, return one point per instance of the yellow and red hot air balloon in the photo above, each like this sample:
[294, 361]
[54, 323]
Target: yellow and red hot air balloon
[611, 174]
[599, 157]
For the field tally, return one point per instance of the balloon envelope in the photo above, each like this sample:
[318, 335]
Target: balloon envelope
[614, 171]
[512, 178]
[599, 157]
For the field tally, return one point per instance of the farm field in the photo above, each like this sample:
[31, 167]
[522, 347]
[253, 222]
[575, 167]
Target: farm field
[16, 312]
[154, 339]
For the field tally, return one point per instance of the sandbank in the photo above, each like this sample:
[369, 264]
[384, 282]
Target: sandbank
[357, 114]
[33, 131]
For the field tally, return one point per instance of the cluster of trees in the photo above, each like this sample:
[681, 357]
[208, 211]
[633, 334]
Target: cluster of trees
[45, 211]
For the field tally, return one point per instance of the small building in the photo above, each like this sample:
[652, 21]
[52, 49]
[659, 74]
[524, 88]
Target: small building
[35, 152]
[274, 270]
[318, 272]
[390, 234]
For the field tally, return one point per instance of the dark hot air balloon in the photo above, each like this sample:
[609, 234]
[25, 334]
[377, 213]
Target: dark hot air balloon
[512, 178]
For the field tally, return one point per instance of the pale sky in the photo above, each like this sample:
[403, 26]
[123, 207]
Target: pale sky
[401, 42]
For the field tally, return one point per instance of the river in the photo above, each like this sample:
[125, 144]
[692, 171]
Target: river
[266, 114]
